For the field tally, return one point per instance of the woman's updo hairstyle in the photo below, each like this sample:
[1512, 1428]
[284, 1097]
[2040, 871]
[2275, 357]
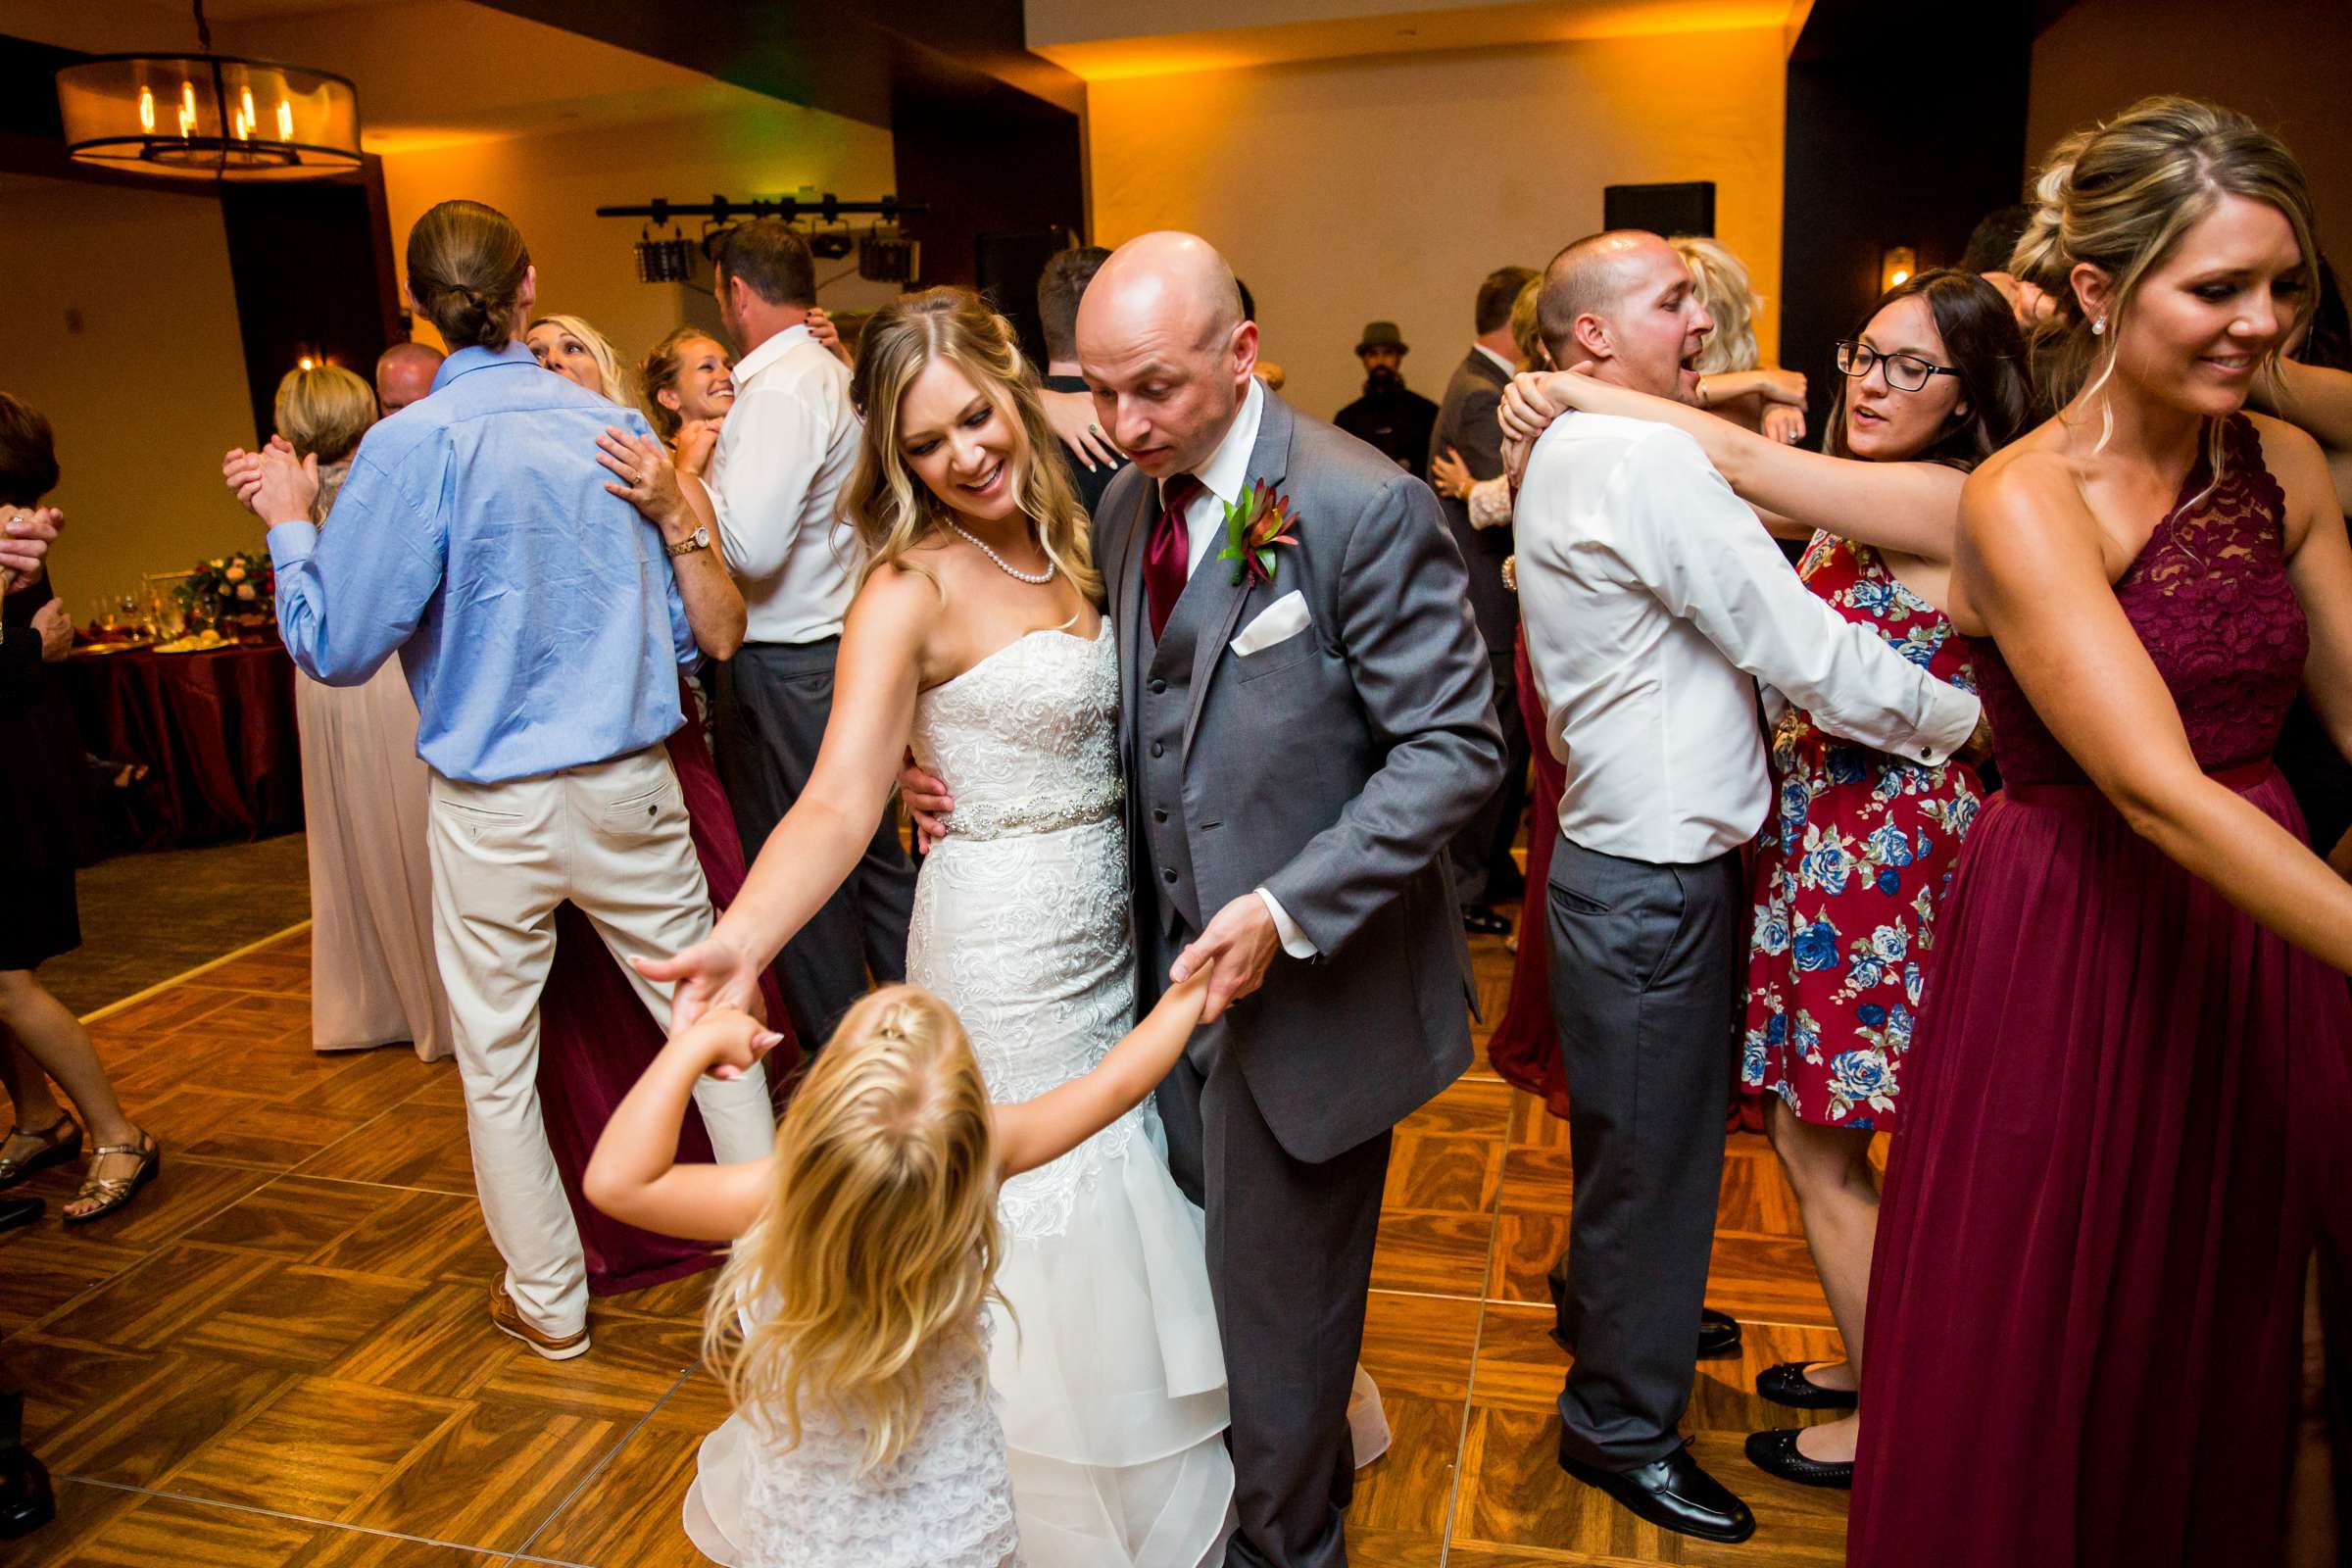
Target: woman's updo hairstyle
[2120, 196]
[466, 269]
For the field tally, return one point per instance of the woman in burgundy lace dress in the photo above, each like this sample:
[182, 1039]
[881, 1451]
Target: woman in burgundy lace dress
[2123, 1120]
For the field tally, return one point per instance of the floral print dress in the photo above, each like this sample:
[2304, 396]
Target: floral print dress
[1848, 873]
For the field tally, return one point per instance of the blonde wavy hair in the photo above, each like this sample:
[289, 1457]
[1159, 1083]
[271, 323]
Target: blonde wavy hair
[1727, 295]
[323, 409]
[617, 388]
[878, 1246]
[1527, 326]
[2118, 196]
[892, 511]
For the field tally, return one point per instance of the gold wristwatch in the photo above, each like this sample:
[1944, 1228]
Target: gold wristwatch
[700, 539]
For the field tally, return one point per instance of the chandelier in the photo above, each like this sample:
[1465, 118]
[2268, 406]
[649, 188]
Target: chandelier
[209, 116]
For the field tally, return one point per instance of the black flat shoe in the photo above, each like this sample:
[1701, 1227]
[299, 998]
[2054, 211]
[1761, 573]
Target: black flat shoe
[18, 1211]
[1775, 1454]
[1674, 1494]
[1718, 1334]
[1786, 1384]
[1485, 923]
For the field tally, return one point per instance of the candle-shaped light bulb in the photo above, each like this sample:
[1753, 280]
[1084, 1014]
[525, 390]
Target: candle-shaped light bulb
[147, 109]
[187, 108]
[285, 121]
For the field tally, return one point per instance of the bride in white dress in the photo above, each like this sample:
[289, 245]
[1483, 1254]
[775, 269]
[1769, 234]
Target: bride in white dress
[977, 636]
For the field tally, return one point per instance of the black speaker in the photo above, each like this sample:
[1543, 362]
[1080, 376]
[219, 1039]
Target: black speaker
[1008, 269]
[1688, 208]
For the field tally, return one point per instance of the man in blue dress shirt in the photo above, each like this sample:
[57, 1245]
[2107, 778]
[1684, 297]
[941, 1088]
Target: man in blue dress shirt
[542, 631]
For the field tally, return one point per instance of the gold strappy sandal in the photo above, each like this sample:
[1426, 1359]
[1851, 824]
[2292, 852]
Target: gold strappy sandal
[60, 1141]
[116, 1190]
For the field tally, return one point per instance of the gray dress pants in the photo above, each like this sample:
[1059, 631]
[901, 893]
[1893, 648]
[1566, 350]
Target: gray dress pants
[1290, 1260]
[1645, 981]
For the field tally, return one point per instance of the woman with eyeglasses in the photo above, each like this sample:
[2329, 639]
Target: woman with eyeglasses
[1852, 864]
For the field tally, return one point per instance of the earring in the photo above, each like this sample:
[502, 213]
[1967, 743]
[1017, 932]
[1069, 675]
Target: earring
[2098, 328]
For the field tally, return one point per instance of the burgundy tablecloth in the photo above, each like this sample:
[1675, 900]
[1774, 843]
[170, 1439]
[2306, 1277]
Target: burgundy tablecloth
[217, 729]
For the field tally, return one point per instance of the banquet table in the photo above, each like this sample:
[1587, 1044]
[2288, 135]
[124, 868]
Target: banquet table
[216, 729]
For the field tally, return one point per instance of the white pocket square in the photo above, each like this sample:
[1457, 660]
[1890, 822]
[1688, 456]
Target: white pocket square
[1285, 617]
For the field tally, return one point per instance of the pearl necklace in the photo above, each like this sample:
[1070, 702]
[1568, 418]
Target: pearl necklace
[1003, 565]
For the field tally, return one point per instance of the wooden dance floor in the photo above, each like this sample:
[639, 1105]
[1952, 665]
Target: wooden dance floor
[281, 1357]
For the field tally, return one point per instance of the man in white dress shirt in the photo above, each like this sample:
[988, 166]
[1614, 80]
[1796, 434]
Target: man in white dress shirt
[1655, 606]
[783, 454]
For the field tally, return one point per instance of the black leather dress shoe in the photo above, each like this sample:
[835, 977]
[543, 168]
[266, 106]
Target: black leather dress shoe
[1786, 1384]
[1485, 923]
[1674, 1494]
[1718, 1334]
[15, 1211]
[1775, 1454]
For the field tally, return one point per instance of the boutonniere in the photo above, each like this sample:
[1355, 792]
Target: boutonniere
[1253, 525]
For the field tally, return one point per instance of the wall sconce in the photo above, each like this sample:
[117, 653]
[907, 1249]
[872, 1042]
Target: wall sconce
[1897, 265]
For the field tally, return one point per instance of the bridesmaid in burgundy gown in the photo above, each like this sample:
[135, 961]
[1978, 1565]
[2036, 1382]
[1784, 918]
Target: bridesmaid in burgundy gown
[2126, 1118]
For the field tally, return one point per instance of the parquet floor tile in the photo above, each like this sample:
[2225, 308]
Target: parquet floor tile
[629, 1512]
[316, 1449]
[1440, 1253]
[282, 1356]
[492, 1477]
[418, 1146]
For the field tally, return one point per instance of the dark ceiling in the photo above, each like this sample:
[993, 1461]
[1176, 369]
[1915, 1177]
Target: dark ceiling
[864, 60]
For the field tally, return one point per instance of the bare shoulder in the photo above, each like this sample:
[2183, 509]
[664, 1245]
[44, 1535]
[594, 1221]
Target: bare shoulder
[2028, 486]
[896, 599]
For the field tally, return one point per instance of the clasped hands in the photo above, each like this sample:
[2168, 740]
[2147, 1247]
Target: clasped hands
[26, 535]
[272, 483]
[1236, 950]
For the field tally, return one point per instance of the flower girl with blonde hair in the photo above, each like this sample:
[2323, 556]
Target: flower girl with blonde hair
[849, 1324]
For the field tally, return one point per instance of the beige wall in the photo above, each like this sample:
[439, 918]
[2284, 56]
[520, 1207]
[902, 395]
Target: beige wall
[1388, 188]
[2281, 61]
[150, 390]
[552, 185]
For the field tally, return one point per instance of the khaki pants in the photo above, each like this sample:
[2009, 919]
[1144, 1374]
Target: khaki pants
[612, 838]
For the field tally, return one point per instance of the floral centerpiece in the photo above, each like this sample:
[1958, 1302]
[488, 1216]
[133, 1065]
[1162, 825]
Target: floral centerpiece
[236, 593]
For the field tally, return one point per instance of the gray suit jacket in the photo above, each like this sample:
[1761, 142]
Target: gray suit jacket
[1332, 769]
[1468, 421]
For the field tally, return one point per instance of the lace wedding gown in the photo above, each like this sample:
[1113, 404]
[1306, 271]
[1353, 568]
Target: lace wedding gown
[1107, 1373]
[1110, 1371]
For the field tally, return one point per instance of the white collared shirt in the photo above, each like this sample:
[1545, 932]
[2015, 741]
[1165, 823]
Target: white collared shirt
[1655, 605]
[1222, 478]
[1509, 369]
[784, 452]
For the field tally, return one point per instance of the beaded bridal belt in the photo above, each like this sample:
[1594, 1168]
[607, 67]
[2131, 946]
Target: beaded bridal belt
[1046, 813]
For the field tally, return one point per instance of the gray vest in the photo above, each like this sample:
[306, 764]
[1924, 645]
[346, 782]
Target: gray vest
[1163, 855]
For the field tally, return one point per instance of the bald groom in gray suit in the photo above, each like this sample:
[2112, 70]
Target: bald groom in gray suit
[1300, 748]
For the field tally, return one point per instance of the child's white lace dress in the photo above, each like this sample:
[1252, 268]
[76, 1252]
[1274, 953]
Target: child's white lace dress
[944, 1503]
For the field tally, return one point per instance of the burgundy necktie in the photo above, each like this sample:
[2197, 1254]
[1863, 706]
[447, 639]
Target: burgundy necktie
[1168, 556]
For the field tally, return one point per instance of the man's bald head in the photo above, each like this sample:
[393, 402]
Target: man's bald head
[403, 375]
[1176, 277]
[1623, 302]
[1164, 344]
